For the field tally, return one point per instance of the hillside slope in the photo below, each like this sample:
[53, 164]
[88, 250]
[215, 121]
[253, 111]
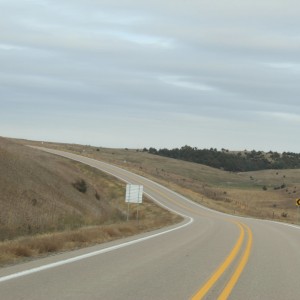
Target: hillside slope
[38, 193]
[45, 194]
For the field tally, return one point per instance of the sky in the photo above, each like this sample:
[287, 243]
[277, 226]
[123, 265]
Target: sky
[163, 74]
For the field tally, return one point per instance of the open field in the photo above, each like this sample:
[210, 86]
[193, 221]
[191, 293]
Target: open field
[51, 204]
[269, 194]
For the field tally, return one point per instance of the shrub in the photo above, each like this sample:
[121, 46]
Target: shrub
[80, 185]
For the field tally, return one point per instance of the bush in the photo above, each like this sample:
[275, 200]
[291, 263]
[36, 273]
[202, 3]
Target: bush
[80, 185]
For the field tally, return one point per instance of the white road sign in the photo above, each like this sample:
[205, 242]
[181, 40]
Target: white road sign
[134, 193]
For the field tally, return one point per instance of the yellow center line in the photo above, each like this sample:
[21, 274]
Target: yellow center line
[222, 268]
[228, 260]
[235, 277]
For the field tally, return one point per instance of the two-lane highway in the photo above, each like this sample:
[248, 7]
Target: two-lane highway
[209, 255]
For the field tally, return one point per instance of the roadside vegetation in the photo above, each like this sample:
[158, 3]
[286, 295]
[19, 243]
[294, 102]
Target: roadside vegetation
[240, 161]
[50, 204]
[266, 194]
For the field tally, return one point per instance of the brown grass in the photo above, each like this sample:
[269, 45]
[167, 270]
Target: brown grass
[25, 248]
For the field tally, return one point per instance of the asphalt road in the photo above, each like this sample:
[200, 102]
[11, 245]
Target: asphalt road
[209, 255]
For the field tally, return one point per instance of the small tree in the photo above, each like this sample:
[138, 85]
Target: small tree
[152, 150]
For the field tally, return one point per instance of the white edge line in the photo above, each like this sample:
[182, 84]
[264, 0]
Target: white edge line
[109, 249]
[91, 254]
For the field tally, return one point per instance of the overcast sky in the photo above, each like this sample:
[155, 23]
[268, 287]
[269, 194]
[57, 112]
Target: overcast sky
[119, 73]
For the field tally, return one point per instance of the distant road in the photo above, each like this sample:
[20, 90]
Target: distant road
[209, 255]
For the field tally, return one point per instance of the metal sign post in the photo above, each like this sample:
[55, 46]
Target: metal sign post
[128, 211]
[137, 214]
[134, 194]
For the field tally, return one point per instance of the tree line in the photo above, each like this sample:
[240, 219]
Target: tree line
[232, 161]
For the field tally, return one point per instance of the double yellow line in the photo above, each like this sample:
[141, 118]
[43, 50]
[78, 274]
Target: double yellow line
[201, 293]
[226, 263]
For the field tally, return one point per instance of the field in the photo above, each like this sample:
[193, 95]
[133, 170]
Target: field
[50, 204]
[268, 194]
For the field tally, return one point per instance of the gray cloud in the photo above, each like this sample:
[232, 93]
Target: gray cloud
[163, 74]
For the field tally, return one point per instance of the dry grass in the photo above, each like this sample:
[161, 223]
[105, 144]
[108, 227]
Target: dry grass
[235, 193]
[24, 248]
[42, 212]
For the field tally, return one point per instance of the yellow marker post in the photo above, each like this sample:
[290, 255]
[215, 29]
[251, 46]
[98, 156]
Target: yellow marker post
[298, 204]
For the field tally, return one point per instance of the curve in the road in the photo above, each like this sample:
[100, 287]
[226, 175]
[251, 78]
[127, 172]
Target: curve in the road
[210, 255]
[220, 270]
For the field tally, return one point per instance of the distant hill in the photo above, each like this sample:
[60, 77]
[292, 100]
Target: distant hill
[232, 161]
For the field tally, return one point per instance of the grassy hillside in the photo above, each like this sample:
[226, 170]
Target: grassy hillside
[47, 194]
[268, 194]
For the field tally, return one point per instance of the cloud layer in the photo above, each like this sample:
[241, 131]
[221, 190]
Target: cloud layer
[163, 74]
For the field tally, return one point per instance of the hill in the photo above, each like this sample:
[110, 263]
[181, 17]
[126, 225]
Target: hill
[48, 203]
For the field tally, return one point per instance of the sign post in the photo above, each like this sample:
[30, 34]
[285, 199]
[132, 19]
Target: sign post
[134, 194]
